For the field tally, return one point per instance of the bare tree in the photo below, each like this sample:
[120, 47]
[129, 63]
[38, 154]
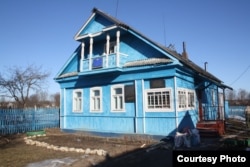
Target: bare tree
[56, 99]
[19, 82]
[43, 95]
[33, 100]
[242, 94]
[231, 95]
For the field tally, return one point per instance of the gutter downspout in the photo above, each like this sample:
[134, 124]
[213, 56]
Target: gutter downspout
[143, 106]
[64, 108]
[136, 106]
[175, 104]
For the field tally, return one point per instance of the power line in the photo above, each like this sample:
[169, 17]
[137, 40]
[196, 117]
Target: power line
[164, 30]
[240, 75]
[117, 4]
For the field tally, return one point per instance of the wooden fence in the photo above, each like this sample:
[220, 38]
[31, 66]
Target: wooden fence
[24, 120]
[237, 111]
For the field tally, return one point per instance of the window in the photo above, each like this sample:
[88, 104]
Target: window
[191, 99]
[157, 83]
[186, 99]
[129, 93]
[77, 100]
[117, 99]
[182, 98]
[158, 99]
[96, 99]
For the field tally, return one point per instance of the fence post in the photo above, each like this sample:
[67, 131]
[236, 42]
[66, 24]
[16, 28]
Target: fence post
[248, 116]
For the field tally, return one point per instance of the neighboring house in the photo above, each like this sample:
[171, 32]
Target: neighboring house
[120, 81]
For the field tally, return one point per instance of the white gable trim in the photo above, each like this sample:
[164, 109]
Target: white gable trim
[68, 61]
[77, 37]
[89, 35]
[109, 28]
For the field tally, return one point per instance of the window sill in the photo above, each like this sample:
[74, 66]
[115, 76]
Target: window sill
[158, 110]
[76, 112]
[96, 111]
[185, 109]
[117, 111]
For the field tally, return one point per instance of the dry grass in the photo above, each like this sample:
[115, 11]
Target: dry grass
[15, 153]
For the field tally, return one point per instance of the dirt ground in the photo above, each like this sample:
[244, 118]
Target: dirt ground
[124, 151]
[121, 151]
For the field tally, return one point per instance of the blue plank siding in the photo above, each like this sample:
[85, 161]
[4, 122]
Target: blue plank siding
[73, 66]
[160, 126]
[124, 124]
[104, 124]
[187, 119]
[137, 49]
[142, 118]
[72, 63]
[135, 114]
[96, 25]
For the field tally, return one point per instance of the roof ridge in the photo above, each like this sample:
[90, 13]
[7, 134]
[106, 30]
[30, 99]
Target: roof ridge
[114, 19]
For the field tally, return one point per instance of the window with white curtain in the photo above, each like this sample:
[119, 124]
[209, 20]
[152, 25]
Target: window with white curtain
[186, 98]
[117, 98]
[77, 100]
[96, 99]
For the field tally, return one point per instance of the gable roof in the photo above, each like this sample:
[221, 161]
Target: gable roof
[111, 19]
[114, 23]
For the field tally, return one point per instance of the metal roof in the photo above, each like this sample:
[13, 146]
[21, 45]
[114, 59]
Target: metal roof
[150, 61]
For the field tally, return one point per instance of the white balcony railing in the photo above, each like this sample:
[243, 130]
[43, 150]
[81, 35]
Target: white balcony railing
[103, 61]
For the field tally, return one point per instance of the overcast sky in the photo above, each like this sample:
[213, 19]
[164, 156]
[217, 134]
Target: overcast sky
[215, 31]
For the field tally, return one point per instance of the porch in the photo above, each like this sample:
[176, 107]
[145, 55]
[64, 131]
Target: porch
[211, 128]
[211, 121]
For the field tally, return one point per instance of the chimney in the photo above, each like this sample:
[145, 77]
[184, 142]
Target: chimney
[205, 66]
[184, 53]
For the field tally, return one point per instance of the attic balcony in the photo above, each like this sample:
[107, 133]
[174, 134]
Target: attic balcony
[103, 63]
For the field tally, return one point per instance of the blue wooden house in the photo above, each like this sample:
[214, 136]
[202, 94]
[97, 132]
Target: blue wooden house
[120, 81]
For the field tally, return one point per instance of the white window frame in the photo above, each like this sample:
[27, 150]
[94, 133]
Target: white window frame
[182, 98]
[158, 107]
[117, 96]
[77, 101]
[94, 100]
[184, 101]
[191, 102]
